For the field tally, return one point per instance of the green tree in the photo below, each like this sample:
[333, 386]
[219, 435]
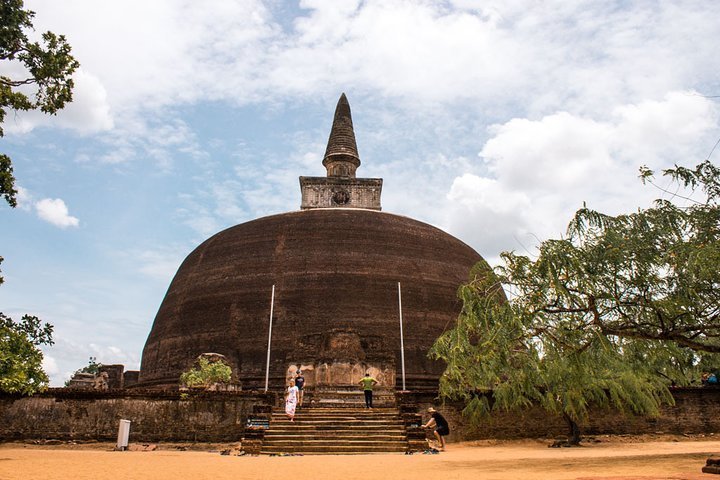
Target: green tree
[47, 68]
[20, 358]
[206, 373]
[609, 316]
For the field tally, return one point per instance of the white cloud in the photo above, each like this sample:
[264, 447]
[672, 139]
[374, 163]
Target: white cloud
[89, 112]
[49, 364]
[497, 53]
[555, 152]
[663, 132]
[56, 212]
[541, 171]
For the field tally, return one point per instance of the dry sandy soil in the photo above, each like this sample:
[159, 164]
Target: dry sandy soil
[614, 458]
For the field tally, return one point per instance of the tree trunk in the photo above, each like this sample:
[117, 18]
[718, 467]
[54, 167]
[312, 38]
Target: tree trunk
[574, 430]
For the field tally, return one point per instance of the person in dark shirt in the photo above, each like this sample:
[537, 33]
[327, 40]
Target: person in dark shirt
[300, 383]
[441, 425]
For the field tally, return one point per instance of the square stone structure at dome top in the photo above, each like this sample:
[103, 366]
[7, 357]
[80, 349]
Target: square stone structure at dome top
[338, 192]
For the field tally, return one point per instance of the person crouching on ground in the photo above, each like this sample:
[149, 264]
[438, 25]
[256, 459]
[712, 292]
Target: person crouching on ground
[441, 425]
[291, 399]
[367, 383]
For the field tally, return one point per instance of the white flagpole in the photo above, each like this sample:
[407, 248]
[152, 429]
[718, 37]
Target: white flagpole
[267, 369]
[402, 341]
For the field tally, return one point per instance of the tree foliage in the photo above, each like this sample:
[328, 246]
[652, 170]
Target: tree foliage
[45, 83]
[608, 316]
[206, 373]
[20, 358]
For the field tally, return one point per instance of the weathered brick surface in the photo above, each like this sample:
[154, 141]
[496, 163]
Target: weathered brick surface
[222, 416]
[696, 410]
[335, 273]
[65, 415]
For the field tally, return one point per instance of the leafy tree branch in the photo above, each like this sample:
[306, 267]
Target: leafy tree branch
[608, 316]
[48, 66]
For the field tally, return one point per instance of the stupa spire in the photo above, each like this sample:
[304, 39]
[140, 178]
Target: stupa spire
[341, 156]
[341, 188]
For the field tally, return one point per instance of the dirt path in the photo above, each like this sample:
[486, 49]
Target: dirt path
[524, 460]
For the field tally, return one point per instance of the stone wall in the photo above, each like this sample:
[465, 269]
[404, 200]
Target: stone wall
[696, 411]
[66, 414]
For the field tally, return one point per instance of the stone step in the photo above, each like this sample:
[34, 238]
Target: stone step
[341, 411]
[350, 396]
[348, 388]
[344, 437]
[330, 442]
[353, 393]
[336, 417]
[347, 404]
[324, 432]
[285, 423]
[338, 431]
[339, 416]
[333, 449]
[339, 428]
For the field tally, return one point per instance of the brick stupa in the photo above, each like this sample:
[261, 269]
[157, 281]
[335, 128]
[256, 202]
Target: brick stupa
[335, 265]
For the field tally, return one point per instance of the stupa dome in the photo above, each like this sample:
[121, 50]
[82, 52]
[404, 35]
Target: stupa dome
[335, 272]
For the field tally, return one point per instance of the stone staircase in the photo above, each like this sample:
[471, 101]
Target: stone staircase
[340, 430]
[348, 396]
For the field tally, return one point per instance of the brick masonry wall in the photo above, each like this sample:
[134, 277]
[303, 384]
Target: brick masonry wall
[65, 414]
[221, 416]
[696, 410]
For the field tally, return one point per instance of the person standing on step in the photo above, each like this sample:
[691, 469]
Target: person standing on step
[367, 383]
[300, 383]
[441, 425]
[291, 399]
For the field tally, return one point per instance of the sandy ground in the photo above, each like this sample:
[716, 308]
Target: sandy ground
[610, 458]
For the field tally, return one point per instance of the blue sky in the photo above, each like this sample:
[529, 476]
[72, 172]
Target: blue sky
[494, 120]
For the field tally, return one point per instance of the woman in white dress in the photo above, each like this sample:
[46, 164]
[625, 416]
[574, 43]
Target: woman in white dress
[291, 400]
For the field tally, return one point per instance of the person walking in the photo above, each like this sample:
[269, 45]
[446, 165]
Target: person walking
[441, 425]
[300, 383]
[291, 399]
[367, 383]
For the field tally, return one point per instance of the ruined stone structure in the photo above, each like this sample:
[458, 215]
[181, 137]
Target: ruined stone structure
[335, 265]
[108, 377]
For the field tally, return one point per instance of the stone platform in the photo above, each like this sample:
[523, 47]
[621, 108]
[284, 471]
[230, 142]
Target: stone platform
[348, 396]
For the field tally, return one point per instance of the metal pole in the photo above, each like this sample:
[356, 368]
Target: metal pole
[267, 369]
[402, 341]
